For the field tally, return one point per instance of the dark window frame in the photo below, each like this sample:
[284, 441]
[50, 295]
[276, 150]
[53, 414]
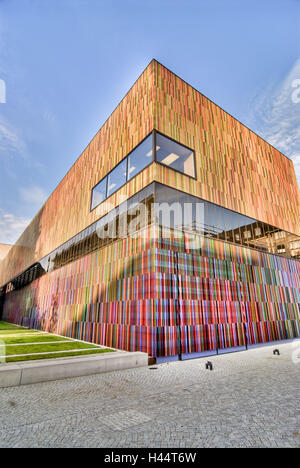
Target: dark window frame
[127, 180]
[178, 143]
[153, 159]
[129, 154]
[244, 245]
[110, 172]
[91, 198]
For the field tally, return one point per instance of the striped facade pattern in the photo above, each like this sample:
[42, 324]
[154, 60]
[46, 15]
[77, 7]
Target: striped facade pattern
[4, 249]
[235, 168]
[67, 211]
[154, 292]
[133, 294]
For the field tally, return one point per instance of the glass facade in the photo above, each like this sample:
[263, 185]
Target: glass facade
[99, 193]
[174, 155]
[173, 274]
[134, 163]
[117, 177]
[220, 223]
[174, 211]
[166, 152]
[164, 206]
[130, 216]
[140, 157]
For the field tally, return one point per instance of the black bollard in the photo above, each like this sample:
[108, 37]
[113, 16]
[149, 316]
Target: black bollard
[209, 365]
[276, 351]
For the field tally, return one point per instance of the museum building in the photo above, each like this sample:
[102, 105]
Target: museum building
[176, 233]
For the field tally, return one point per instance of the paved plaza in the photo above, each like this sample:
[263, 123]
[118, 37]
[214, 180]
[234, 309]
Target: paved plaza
[250, 399]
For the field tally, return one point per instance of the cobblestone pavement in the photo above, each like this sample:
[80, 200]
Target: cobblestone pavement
[249, 399]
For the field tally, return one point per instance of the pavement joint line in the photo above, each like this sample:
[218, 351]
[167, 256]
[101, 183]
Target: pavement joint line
[124, 407]
[21, 375]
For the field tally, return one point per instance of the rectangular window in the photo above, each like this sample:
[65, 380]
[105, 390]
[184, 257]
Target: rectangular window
[209, 220]
[174, 155]
[99, 193]
[140, 157]
[168, 153]
[117, 177]
[219, 222]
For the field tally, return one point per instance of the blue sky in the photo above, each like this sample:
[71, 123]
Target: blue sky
[66, 64]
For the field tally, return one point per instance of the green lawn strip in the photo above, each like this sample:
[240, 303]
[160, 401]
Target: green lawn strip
[34, 339]
[11, 336]
[19, 332]
[28, 349]
[55, 356]
[22, 337]
[9, 326]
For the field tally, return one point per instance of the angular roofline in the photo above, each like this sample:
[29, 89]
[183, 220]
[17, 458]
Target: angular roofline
[81, 153]
[110, 115]
[226, 112]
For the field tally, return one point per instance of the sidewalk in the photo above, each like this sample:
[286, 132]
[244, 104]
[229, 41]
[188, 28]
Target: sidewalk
[250, 399]
[30, 372]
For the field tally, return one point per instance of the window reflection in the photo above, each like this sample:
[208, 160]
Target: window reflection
[221, 223]
[140, 157]
[209, 220]
[116, 178]
[168, 152]
[174, 155]
[99, 193]
[135, 162]
[119, 223]
[128, 218]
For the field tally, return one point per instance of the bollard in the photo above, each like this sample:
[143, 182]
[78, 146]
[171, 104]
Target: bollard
[276, 351]
[209, 365]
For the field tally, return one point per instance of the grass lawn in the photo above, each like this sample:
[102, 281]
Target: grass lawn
[20, 341]
[55, 356]
[8, 326]
[43, 348]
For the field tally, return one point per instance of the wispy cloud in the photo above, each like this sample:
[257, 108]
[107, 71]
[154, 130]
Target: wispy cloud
[2, 91]
[10, 141]
[276, 116]
[11, 227]
[34, 195]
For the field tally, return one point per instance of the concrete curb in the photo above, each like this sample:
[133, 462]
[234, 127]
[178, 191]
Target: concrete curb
[26, 373]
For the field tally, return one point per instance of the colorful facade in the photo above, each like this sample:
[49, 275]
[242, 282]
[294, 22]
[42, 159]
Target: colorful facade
[4, 249]
[227, 277]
